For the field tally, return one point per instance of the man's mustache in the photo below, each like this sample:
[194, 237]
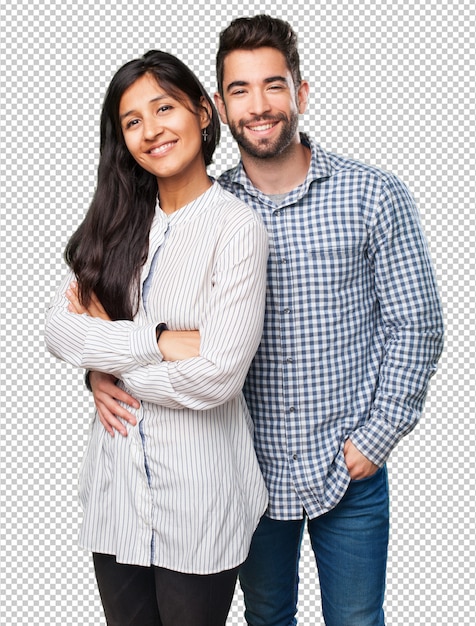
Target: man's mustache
[263, 118]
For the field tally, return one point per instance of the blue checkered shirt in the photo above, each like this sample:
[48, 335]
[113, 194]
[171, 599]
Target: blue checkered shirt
[353, 328]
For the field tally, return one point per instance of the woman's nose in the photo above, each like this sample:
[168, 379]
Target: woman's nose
[152, 128]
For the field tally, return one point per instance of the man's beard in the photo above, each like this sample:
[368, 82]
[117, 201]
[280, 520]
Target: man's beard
[266, 148]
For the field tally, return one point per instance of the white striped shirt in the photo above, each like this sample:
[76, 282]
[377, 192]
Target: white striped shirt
[183, 490]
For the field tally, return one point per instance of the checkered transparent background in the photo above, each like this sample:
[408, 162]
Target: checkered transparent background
[393, 84]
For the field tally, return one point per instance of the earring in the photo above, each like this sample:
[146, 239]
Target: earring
[204, 134]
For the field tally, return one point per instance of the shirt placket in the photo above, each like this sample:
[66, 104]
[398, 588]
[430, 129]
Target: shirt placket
[285, 273]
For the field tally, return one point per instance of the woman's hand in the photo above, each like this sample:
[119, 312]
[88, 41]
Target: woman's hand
[178, 345]
[94, 308]
[106, 398]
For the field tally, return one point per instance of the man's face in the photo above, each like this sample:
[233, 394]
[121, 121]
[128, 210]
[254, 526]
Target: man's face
[260, 103]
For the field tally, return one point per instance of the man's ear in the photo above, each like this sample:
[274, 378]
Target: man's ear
[303, 96]
[220, 105]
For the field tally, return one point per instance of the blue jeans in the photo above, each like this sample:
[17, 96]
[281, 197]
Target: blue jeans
[350, 545]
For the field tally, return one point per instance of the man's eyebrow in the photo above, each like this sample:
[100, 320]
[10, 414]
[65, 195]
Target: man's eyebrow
[269, 79]
[276, 79]
[237, 83]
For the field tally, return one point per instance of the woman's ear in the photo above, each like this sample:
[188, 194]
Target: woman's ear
[205, 113]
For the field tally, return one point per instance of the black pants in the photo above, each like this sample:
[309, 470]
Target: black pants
[153, 596]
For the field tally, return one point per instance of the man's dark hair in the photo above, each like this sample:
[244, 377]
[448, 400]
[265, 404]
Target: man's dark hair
[250, 33]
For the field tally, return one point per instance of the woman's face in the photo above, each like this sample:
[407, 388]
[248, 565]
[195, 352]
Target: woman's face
[161, 133]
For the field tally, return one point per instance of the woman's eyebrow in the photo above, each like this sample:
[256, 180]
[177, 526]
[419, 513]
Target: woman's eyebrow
[156, 99]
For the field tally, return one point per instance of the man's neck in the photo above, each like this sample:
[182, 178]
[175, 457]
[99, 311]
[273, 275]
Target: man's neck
[280, 174]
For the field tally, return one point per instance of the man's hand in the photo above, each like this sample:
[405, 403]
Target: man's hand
[358, 465]
[94, 308]
[106, 396]
[174, 345]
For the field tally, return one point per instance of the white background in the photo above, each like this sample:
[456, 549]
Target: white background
[393, 84]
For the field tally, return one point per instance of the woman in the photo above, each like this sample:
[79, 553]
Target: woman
[170, 509]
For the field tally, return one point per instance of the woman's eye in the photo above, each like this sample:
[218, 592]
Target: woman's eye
[132, 123]
[164, 108]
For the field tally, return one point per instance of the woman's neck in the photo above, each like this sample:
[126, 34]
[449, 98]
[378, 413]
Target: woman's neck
[173, 195]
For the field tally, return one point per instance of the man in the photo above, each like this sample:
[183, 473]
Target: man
[353, 332]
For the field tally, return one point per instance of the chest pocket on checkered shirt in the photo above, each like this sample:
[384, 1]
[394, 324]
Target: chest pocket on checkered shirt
[335, 271]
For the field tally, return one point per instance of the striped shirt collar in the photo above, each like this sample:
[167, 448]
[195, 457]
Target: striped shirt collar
[198, 204]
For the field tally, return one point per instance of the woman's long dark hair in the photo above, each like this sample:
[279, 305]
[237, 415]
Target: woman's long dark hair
[109, 248]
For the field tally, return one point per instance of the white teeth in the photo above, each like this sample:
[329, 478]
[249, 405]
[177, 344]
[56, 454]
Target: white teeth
[161, 148]
[263, 127]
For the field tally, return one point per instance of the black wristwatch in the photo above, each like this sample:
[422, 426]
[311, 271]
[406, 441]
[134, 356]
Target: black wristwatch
[159, 329]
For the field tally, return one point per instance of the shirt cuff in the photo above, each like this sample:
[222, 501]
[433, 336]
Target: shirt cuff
[375, 439]
[143, 345]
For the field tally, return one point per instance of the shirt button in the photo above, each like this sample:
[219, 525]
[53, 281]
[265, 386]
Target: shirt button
[286, 310]
[289, 359]
[283, 261]
[295, 457]
[292, 409]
